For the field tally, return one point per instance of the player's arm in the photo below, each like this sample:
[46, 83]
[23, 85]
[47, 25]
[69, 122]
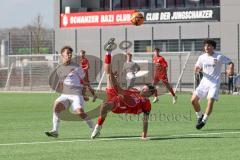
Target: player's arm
[198, 66]
[60, 87]
[137, 67]
[87, 65]
[164, 63]
[145, 125]
[113, 78]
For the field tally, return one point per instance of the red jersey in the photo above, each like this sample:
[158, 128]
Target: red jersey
[131, 102]
[85, 63]
[160, 64]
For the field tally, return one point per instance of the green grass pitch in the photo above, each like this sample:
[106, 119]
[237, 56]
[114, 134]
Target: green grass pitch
[24, 117]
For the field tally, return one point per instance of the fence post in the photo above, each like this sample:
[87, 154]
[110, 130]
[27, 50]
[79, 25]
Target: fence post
[95, 70]
[22, 76]
[194, 81]
[126, 39]
[100, 53]
[238, 50]
[170, 71]
[152, 64]
[9, 47]
[208, 33]
[152, 39]
[53, 44]
[30, 69]
[76, 41]
[180, 70]
[180, 58]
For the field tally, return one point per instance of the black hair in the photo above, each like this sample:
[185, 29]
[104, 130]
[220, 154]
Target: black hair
[157, 49]
[151, 87]
[68, 48]
[82, 51]
[211, 42]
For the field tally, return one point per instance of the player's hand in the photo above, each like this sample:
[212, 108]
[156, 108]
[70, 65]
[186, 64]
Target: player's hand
[197, 69]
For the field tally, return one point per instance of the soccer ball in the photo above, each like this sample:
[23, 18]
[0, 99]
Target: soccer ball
[137, 19]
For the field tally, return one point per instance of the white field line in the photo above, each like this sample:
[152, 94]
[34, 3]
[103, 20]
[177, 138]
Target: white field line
[113, 139]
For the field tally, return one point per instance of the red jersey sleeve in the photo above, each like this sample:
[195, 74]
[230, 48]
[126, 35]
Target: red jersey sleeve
[164, 62]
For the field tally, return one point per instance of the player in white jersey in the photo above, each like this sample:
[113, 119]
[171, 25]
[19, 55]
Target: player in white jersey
[71, 80]
[210, 62]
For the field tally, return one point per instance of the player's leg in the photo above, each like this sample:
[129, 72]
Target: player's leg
[209, 106]
[207, 113]
[59, 105]
[104, 109]
[154, 83]
[78, 108]
[92, 92]
[111, 80]
[170, 89]
[85, 117]
[212, 96]
[195, 103]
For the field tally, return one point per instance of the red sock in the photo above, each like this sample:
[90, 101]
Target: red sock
[100, 120]
[172, 92]
[108, 59]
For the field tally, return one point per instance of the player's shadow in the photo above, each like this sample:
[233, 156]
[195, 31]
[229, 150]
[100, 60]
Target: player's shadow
[110, 137]
[222, 129]
[73, 138]
[185, 137]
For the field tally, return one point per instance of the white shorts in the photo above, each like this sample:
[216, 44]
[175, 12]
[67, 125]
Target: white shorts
[75, 101]
[209, 90]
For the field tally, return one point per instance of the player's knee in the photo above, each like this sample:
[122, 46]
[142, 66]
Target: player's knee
[58, 107]
[81, 113]
[194, 100]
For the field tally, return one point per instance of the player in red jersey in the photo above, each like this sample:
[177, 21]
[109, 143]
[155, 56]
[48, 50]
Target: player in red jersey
[119, 101]
[160, 73]
[85, 65]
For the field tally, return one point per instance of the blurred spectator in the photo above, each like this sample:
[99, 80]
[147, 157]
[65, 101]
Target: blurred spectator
[230, 75]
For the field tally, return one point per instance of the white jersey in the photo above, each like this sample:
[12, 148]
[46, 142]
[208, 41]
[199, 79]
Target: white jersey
[211, 67]
[71, 76]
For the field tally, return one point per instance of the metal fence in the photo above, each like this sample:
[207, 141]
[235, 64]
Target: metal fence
[27, 62]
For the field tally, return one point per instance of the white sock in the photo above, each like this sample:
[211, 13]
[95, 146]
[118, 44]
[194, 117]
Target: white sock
[205, 118]
[199, 114]
[89, 122]
[55, 121]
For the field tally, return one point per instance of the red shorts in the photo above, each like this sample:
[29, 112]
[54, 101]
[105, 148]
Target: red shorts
[129, 103]
[162, 77]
